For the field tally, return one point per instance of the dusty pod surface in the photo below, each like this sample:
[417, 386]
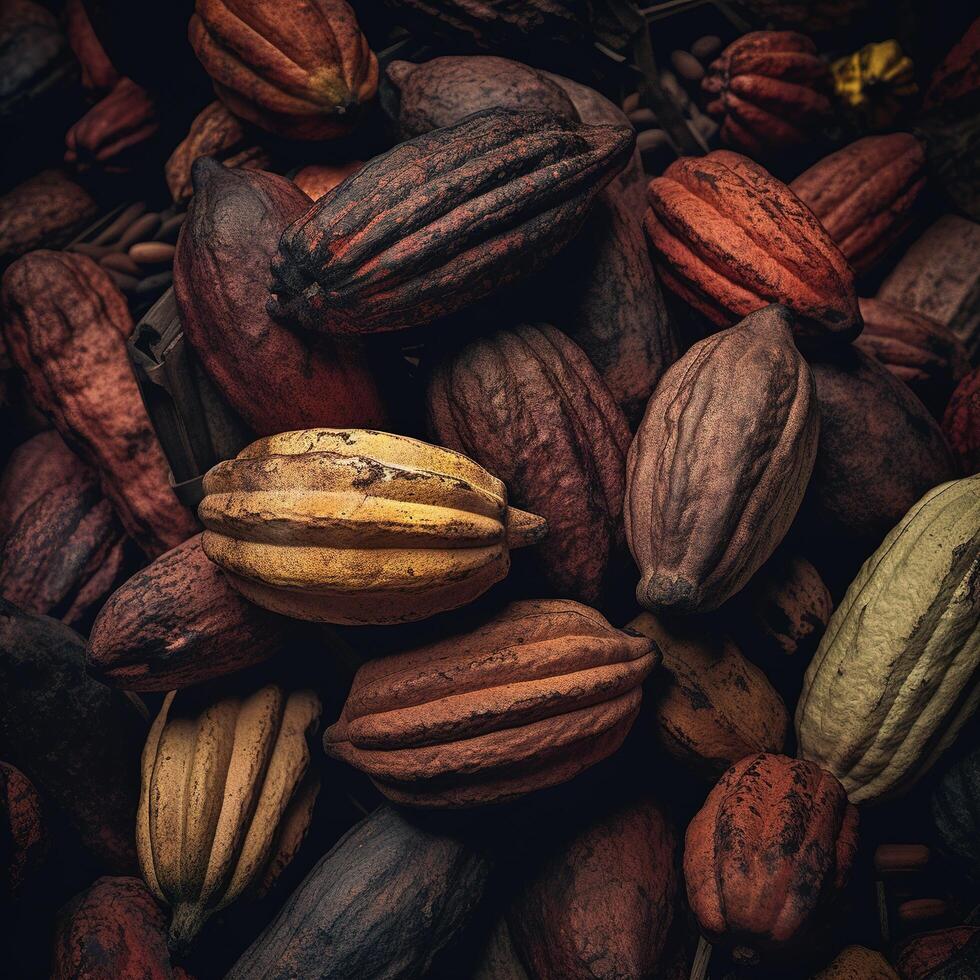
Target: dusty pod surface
[366, 527]
[528, 699]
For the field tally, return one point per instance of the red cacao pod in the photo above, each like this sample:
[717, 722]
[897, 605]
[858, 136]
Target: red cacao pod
[729, 238]
[922, 954]
[23, 841]
[961, 423]
[959, 73]
[98, 74]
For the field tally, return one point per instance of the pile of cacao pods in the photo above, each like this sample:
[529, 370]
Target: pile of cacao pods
[490, 490]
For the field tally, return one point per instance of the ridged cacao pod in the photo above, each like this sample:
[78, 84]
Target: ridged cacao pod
[865, 194]
[443, 220]
[76, 740]
[66, 325]
[894, 678]
[924, 354]
[178, 622]
[297, 69]
[720, 463]
[964, 964]
[23, 840]
[600, 904]
[45, 211]
[226, 798]
[113, 929]
[527, 405]
[318, 179]
[716, 707]
[875, 85]
[98, 74]
[959, 73]
[527, 700]
[274, 379]
[382, 903]
[808, 15]
[354, 526]
[857, 963]
[921, 956]
[215, 132]
[770, 89]
[956, 811]
[729, 239]
[961, 423]
[768, 854]
[114, 131]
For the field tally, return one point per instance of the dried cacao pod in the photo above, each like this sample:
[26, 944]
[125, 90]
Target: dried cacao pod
[45, 211]
[925, 953]
[720, 464]
[771, 90]
[768, 854]
[456, 213]
[894, 678]
[729, 238]
[527, 700]
[113, 929]
[381, 904]
[716, 707]
[114, 131]
[857, 963]
[355, 526]
[865, 194]
[226, 799]
[275, 379]
[599, 905]
[178, 622]
[76, 740]
[215, 132]
[961, 423]
[65, 325]
[34, 57]
[22, 832]
[98, 74]
[527, 405]
[318, 179]
[959, 73]
[924, 354]
[297, 69]
[956, 811]
[445, 90]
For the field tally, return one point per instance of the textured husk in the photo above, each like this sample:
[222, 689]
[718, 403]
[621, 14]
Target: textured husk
[959, 73]
[23, 838]
[857, 963]
[527, 700]
[98, 75]
[924, 956]
[961, 423]
[956, 811]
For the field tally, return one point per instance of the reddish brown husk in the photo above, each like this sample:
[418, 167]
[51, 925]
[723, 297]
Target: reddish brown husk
[527, 405]
[277, 380]
[65, 327]
[600, 904]
[961, 423]
[865, 194]
[771, 91]
[959, 73]
[23, 841]
[317, 179]
[178, 622]
[768, 854]
[98, 75]
[922, 954]
[729, 239]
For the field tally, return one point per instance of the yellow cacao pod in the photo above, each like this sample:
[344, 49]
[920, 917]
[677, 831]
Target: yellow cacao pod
[875, 83]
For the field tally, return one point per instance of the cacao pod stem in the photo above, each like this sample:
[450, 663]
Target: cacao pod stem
[184, 927]
[524, 528]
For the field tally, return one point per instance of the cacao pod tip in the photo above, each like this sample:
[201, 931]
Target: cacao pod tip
[665, 594]
[184, 927]
[398, 71]
[203, 170]
[524, 528]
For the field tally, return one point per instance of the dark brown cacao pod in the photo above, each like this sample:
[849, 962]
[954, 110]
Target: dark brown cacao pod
[959, 73]
[23, 841]
[961, 423]
[98, 74]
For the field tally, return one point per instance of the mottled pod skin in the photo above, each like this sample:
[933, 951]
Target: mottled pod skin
[297, 69]
[729, 238]
[275, 379]
[771, 91]
[600, 904]
[443, 220]
[527, 405]
[767, 854]
[527, 700]
[66, 325]
[865, 194]
[720, 463]
[961, 423]
[23, 841]
[925, 953]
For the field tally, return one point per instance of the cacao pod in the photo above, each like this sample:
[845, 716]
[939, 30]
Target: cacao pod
[768, 854]
[857, 963]
[924, 955]
[964, 964]
[318, 179]
[273, 378]
[114, 929]
[498, 959]
[959, 73]
[529, 699]
[178, 622]
[894, 678]
[729, 239]
[76, 740]
[716, 707]
[98, 75]
[65, 326]
[720, 464]
[527, 405]
[924, 354]
[456, 214]
[770, 89]
[875, 84]
[380, 905]
[599, 905]
[961, 423]
[865, 194]
[354, 526]
[297, 69]
[22, 832]
[956, 811]
[226, 798]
